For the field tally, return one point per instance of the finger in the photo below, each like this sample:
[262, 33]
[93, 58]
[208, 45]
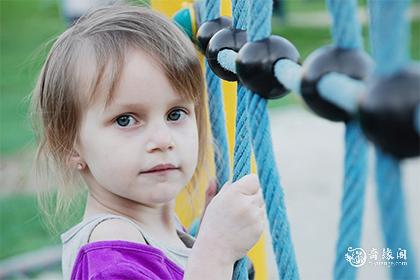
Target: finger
[248, 184]
[257, 199]
[262, 212]
[259, 214]
[225, 185]
[262, 221]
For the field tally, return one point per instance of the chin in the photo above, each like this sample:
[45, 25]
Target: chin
[160, 200]
[164, 193]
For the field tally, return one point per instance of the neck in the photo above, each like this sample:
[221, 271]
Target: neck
[156, 219]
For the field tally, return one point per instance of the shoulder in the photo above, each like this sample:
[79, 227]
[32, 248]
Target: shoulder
[116, 229]
[117, 259]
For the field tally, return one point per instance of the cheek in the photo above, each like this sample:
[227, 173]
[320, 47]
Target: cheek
[111, 168]
[190, 147]
[106, 157]
[193, 144]
[113, 156]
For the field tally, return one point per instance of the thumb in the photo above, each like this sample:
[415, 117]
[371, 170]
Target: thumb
[248, 184]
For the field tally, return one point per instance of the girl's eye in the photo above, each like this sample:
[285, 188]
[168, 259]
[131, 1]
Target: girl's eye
[125, 121]
[176, 115]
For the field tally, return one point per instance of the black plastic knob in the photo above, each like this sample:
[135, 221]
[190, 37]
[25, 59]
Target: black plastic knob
[387, 113]
[227, 38]
[255, 65]
[208, 29]
[354, 63]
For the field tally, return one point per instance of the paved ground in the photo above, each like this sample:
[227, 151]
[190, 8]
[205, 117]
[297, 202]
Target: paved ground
[309, 153]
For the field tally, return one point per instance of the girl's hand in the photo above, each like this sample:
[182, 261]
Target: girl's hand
[234, 219]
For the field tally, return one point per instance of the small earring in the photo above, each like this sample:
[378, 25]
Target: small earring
[80, 166]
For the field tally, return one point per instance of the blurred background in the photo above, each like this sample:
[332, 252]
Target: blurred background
[26, 27]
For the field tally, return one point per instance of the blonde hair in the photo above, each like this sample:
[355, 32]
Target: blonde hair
[103, 37]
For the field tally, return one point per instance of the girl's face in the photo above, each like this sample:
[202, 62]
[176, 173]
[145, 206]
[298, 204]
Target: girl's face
[146, 124]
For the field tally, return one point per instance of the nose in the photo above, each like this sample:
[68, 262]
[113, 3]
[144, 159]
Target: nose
[160, 139]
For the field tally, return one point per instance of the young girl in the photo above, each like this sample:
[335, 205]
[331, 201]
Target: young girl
[121, 102]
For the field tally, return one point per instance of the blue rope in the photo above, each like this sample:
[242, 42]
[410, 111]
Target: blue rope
[350, 90]
[392, 213]
[240, 271]
[242, 146]
[272, 190]
[259, 24]
[389, 42]
[216, 112]
[352, 204]
[346, 33]
[346, 30]
[242, 150]
[288, 73]
[240, 10]
[259, 28]
[211, 9]
[389, 34]
[217, 120]
[194, 227]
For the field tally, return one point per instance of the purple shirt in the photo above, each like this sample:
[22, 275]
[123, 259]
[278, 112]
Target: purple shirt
[123, 260]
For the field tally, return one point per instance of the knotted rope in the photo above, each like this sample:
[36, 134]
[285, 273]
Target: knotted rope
[217, 115]
[389, 41]
[259, 27]
[242, 150]
[346, 33]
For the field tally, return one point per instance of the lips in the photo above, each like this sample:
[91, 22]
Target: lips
[161, 168]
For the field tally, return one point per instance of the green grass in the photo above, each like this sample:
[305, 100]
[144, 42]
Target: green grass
[25, 27]
[304, 5]
[21, 226]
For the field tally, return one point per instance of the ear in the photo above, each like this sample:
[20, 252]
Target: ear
[76, 161]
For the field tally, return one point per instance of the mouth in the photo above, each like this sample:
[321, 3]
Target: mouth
[161, 169]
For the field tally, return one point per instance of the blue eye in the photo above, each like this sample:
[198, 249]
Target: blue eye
[176, 115]
[125, 120]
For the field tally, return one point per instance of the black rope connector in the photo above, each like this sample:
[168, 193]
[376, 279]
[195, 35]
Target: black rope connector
[255, 65]
[208, 29]
[388, 113]
[354, 63]
[226, 39]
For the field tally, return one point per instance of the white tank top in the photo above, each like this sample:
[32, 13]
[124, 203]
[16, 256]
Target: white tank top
[79, 235]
